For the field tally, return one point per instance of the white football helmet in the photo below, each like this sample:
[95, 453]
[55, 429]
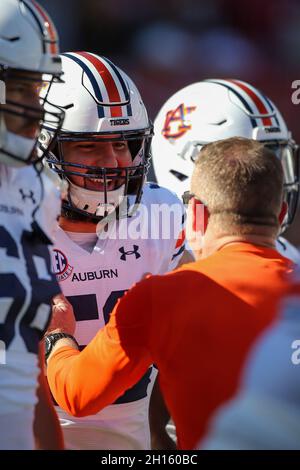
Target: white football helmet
[101, 103]
[213, 110]
[28, 45]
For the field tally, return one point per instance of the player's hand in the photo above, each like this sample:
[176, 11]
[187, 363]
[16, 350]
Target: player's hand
[63, 319]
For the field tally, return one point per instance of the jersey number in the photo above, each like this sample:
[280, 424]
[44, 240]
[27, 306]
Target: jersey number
[11, 289]
[85, 308]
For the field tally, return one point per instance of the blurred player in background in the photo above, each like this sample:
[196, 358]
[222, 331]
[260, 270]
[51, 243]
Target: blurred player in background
[30, 203]
[103, 152]
[266, 412]
[217, 109]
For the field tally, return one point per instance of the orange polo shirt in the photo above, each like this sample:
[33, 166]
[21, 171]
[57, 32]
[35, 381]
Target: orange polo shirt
[196, 324]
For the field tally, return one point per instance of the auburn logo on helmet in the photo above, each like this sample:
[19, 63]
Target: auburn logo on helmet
[176, 123]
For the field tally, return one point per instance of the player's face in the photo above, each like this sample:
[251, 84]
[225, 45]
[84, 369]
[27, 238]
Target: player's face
[96, 154]
[22, 91]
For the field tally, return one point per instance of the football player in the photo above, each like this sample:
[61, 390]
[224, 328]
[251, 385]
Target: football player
[216, 109]
[110, 234]
[30, 202]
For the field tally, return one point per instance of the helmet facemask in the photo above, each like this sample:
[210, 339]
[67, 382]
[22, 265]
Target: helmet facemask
[115, 184]
[288, 154]
[28, 50]
[17, 148]
[102, 106]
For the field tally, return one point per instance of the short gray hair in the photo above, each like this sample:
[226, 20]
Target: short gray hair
[240, 180]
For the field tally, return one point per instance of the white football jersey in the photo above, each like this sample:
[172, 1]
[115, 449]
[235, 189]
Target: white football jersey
[27, 286]
[288, 250]
[146, 243]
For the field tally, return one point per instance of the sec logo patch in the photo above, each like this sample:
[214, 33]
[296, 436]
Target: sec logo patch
[61, 267]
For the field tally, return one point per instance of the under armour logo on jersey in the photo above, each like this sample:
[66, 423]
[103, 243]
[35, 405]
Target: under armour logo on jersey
[30, 196]
[131, 252]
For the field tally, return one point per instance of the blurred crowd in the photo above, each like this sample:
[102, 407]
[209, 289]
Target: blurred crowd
[167, 45]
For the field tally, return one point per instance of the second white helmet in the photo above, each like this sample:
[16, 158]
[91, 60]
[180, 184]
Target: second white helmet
[213, 110]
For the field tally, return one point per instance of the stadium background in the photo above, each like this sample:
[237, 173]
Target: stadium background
[167, 44]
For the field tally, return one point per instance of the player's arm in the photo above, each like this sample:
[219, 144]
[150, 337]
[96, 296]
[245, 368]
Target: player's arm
[47, 431]
[84, 382]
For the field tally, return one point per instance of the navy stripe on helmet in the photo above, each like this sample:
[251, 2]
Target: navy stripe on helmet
[38, 21]
[272, 109]
[123, 85]
[93, 81]
[241, 98]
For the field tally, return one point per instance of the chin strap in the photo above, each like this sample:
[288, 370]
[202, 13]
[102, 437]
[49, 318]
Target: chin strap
[93, 202]
[15, 150]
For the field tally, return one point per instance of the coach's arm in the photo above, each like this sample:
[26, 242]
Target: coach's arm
[84, 382]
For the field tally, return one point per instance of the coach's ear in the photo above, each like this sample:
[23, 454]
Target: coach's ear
[197, 221]
[200, 216]
[283, 212]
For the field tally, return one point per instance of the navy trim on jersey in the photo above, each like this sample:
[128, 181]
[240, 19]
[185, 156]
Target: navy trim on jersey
[178, 252]
[153, 185]
[137, 392]
[282, 244]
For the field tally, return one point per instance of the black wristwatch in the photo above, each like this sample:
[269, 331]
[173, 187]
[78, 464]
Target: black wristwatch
[51, 340]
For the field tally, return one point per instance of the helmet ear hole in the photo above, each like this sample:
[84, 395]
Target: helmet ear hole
[134, 147]
[44, 139]
[178, 175]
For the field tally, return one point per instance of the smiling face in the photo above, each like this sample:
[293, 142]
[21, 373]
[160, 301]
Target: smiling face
[21, 120]
[96, 154]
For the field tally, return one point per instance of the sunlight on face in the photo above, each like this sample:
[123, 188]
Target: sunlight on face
[20, 120]
[96, 154]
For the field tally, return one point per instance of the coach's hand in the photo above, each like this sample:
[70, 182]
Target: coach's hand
[63, 319]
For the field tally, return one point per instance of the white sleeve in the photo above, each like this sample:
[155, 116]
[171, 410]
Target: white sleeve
[288, 250]
[179, 245]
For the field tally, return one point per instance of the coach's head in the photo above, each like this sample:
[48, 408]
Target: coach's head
[236, 195]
